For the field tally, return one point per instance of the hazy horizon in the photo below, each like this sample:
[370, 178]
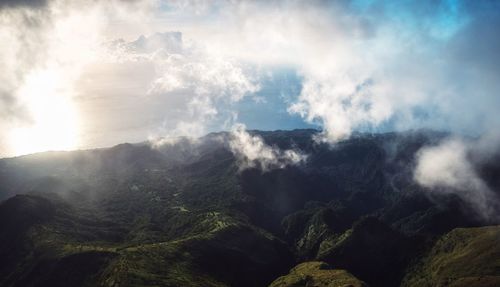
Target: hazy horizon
[81, 74]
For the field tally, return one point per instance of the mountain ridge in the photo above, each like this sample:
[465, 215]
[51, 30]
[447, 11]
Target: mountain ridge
[186, 214]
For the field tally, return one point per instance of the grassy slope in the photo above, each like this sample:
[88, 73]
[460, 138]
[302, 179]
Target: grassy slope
[371, 250]
[463, 257]
[68, 249]
[317, 274]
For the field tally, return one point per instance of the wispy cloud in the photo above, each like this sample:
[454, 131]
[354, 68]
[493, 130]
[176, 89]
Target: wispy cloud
[201, 80]
[252, 152]
[188, 79]
[447, 168]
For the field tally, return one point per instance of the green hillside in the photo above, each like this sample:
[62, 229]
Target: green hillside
[462, 257]
[185, 214]
[318, 274]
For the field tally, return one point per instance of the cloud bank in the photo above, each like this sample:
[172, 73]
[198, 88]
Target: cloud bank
[362, 65]
[374, 64]
[68, 85]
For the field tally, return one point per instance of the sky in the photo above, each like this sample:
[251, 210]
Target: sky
[85, 74]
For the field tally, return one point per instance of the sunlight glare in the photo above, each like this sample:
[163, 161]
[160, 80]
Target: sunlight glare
[54, 121]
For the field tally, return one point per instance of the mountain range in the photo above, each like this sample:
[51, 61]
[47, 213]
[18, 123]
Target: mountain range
[185, 213]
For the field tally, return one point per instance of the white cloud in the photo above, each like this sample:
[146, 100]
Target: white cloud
[252, 152]
[202, 74]
[340, 108]
[359, 68]
[193, 81]
[45, 50]
[365, 68]
[447, 168]
[166, 86]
